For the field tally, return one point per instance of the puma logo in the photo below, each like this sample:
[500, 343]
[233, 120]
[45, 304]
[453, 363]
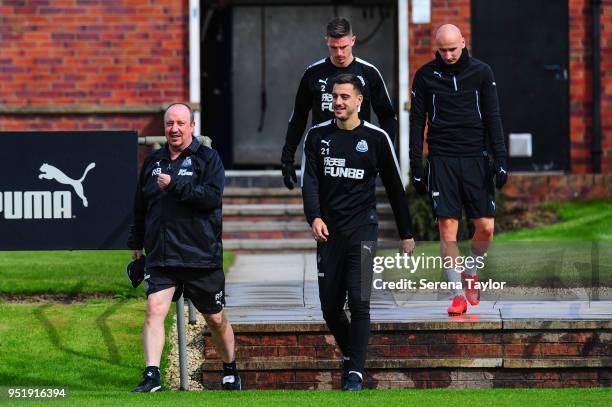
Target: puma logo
[50, 172]
[368, 248]
[323, 81]
[438, 74]
[326, 142]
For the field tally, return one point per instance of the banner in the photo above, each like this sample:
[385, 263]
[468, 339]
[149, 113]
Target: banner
[66, 190]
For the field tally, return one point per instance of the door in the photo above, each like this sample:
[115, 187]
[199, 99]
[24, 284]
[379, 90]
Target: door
[526, 44]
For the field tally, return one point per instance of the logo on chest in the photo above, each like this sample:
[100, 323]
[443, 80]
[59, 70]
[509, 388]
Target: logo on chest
[186, 168]
[362, 146]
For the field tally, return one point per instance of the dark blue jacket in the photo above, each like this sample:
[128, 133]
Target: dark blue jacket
[182, 225]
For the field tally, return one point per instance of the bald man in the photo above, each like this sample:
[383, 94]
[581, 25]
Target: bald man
[455, 96]
[177, 220]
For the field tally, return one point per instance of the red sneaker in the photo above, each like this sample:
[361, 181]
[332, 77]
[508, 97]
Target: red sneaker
[459, 305]
[471, 293]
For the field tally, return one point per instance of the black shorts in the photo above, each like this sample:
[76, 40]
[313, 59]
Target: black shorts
[204, 287]
[461, 182]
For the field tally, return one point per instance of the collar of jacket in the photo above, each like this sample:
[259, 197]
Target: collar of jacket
[457, 67]
[193, 147]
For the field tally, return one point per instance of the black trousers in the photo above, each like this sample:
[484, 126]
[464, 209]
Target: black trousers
[344, 265]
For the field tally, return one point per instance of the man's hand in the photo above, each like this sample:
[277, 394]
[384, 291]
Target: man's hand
[319, 230]
[407, 246]
[419, 179]
[501, 172]
[136, 254]
[163, 180]
[288, 175]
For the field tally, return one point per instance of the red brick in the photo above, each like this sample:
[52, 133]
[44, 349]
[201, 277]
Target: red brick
[266, 340]
[445, 350]
[483, 350]
[559, 349]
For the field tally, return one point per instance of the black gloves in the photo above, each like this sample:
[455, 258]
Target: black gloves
[501, 172]
[419, 179]
[288, 174]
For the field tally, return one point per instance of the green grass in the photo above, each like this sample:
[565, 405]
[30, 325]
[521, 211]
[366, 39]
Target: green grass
[559, 255]
[92, 346]
[95, 351]
[70, 272]
[582, 221]
[264, 398]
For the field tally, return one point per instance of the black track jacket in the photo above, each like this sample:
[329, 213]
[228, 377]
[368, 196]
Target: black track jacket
[460, 105]
[339, 171]
[315, 92]
[180, 226]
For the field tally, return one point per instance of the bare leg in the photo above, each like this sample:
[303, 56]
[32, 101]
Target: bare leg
[222, 335]
[483, 235]
[448, 238]
[153, 334]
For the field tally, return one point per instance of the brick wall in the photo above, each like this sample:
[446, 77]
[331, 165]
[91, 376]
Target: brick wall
[606, 83]
[458, 12]
[92, 52]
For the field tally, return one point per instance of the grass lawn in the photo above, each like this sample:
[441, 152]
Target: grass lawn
[264, 398]
[70, 272]
[94, 349]
[582, 221]
[559, 255]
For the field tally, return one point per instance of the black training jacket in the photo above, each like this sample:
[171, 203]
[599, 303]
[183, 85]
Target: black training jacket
[459, 103]
[180, 226]
[315, 92]
[339, 171]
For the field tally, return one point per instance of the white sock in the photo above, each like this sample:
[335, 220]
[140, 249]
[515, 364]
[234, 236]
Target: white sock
[357, 373]
[454, 277]
[471, 271]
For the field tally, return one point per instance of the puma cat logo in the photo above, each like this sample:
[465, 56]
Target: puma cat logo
[50, 172]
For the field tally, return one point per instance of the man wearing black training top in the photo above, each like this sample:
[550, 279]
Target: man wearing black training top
[341, 160]
[457, 96]
[314, 92]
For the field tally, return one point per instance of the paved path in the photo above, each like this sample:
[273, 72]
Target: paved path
[283, 287]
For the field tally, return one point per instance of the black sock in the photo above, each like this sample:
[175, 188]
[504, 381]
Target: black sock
[229, 369]
[154, 370]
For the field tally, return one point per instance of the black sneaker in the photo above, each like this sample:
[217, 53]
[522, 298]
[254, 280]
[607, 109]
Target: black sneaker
[235, 385]
[353, 382]
[150, 383]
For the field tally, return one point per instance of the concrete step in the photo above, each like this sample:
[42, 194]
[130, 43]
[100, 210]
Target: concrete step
[281, 209]
[254, 195]
[262, 244]
[282, 226]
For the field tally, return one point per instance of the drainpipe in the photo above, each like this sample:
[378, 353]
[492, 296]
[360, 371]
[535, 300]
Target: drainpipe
[596, 148]
[404, 117]
[194, 60]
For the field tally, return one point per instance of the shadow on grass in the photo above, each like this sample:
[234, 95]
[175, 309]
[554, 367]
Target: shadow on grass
[101, 322]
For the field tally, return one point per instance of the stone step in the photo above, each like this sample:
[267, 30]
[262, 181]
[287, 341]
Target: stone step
[282, 226]
[283, 244]
[233, 230]
[255, 195]
[280, 209]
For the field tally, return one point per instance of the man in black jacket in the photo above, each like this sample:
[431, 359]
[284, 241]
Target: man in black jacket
[456, 96]
[177, 219]
[341, 160]
[314, 92]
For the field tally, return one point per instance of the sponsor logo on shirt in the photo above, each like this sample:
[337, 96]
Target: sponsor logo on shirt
[335, 167]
